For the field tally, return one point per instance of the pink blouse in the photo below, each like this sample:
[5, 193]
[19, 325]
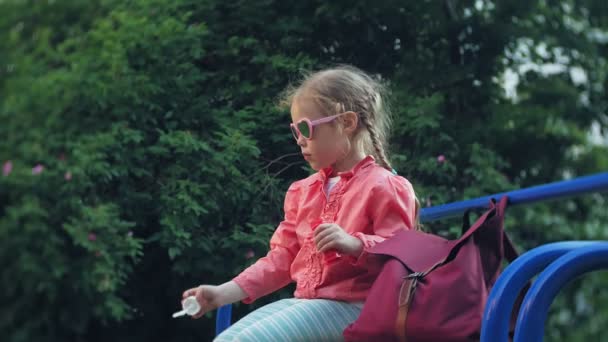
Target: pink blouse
[369, 202]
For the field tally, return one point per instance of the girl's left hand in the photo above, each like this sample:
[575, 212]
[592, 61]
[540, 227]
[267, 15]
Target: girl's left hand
[331, 236]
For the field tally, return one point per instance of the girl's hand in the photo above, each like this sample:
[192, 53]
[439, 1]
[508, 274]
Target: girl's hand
[331, 236]
[207, 297]
[211, 297]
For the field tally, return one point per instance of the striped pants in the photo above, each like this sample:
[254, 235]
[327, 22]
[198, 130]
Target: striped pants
[294, 320]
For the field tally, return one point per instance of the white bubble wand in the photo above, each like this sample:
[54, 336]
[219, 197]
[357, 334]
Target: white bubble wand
[190, 306]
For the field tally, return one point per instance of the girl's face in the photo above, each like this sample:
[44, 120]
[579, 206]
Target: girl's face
[328, 144]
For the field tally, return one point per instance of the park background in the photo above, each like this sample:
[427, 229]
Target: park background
[143, 152]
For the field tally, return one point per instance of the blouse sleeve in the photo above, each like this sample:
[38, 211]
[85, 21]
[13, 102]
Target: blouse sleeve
[272, 272]
[391, 207]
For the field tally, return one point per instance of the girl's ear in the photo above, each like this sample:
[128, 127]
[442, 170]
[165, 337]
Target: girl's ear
[350, 121]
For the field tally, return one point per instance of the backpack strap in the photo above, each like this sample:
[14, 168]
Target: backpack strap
[494, 210]
[509, 249]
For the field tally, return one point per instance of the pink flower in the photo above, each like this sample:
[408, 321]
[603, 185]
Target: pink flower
[441, 158]
[98, 253]
[36, 170]
[68, 176]
[92, 237]
[249, 254]
[62, 157]
[7, 168]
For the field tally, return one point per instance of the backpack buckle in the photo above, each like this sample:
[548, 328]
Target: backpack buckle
[414, 275]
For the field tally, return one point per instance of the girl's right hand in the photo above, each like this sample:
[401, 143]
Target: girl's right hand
[206, 295]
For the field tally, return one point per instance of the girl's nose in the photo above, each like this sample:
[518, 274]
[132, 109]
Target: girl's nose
[301, 140]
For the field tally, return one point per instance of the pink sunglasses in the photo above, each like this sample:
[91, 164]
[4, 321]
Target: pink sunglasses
[305, 127]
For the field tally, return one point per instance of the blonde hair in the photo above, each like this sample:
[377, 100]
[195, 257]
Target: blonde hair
[347, 88]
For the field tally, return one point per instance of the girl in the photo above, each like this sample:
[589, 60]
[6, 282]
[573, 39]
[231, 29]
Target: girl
[332, 218]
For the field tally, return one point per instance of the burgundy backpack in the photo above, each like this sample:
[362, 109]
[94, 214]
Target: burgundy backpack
[431, 288]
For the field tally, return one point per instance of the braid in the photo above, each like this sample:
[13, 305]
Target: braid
[376, 142]
[379, 148]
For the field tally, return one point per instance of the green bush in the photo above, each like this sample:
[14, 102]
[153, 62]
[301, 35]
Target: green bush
[143, 152]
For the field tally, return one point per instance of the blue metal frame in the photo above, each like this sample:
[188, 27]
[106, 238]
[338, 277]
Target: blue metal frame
[533, 313]
[224, 316]
[593, 183]
[497, 314]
